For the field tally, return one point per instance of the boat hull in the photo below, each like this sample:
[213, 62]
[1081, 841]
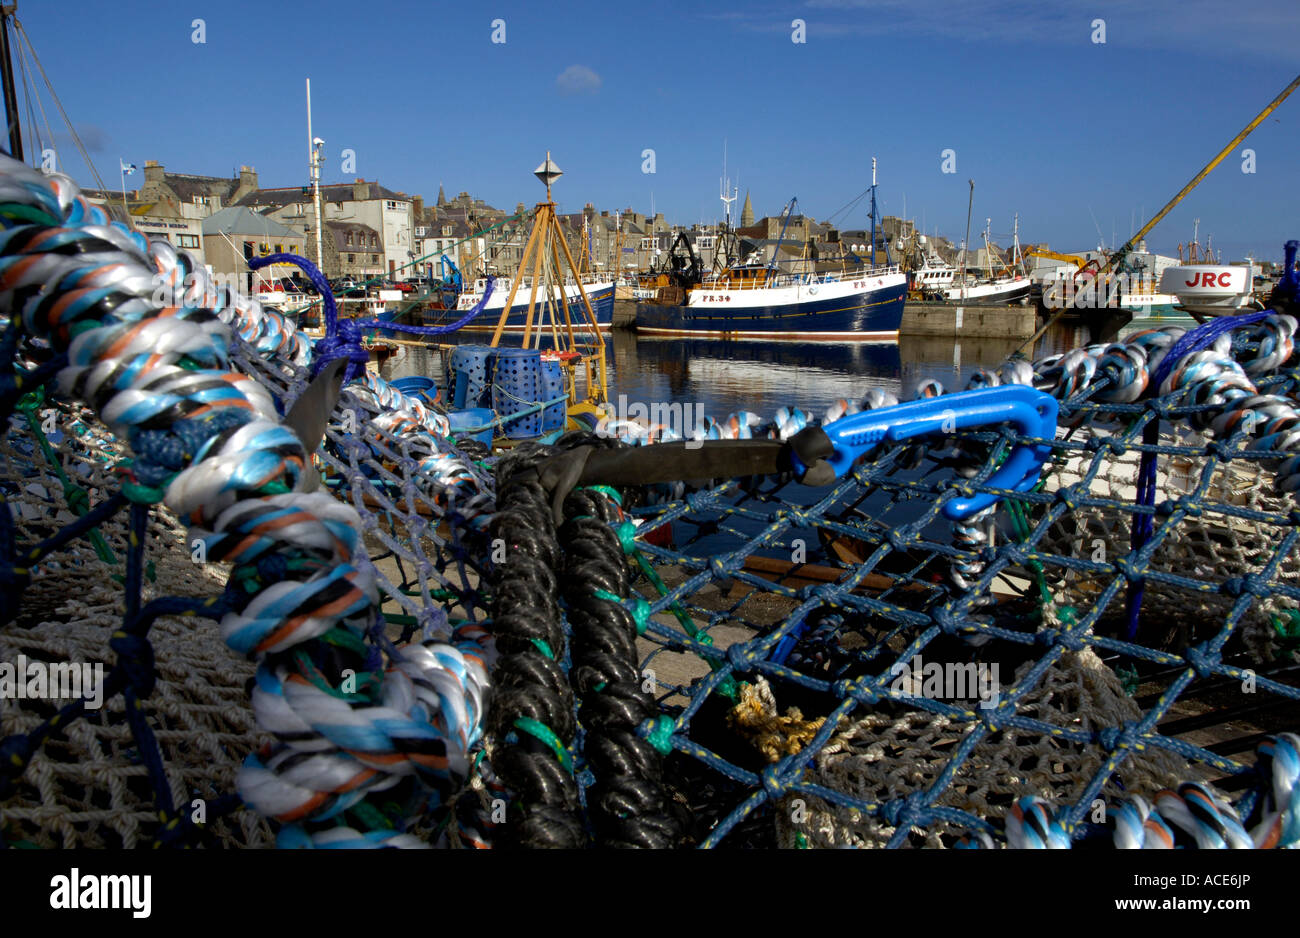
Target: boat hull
[601, 299]
[866, 312]
[1011, 291]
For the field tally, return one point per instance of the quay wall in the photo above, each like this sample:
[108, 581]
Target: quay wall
[943, 319]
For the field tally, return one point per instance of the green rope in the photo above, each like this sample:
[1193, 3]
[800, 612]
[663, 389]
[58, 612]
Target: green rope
[77, 498]
[543, 733]
[626, 531]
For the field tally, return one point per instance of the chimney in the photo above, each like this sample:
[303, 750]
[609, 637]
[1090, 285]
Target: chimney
[247, 183]
[417, 209]
[153, 172]
[360, 190]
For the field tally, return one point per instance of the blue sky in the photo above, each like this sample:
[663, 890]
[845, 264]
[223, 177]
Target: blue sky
[1077, 136]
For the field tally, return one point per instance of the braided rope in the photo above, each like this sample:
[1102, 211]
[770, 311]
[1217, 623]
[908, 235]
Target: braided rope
[1190, 817]
[208, 443]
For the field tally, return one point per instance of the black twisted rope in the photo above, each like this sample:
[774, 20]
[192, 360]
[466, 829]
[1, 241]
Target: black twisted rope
[627, 803]
[532, 692]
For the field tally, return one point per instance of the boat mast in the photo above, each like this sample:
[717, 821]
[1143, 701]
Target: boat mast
[7, 12]
[789, 213]
[725, 185]
[873, 213]
[988, 247]
[965, 245]
[1016, 256]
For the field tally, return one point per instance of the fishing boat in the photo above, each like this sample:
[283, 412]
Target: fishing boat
[1011, 286]
[1141, 292]
[599, 292]
[933, 274]
[759, 301]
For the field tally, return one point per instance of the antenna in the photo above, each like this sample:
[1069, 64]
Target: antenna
[726, 199]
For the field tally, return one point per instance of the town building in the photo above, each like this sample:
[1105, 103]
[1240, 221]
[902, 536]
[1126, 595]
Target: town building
[173, 206]
[386, 214]
[235, 235]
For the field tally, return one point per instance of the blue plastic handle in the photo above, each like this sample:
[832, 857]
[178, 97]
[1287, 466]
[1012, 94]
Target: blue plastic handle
[1032, 412]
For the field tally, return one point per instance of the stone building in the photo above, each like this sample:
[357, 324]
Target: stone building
[353, 249]
[234, 235]
[174, 205]
[388, 215]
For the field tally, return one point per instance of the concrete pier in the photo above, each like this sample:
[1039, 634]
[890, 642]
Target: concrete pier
[624, 314]
[945, 319]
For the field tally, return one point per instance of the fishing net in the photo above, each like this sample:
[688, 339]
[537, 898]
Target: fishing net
[1120, 663]
[439, 647]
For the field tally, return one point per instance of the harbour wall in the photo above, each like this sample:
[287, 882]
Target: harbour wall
[943, 319]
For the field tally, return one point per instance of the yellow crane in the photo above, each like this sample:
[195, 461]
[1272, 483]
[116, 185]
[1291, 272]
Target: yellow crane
[1074, 259]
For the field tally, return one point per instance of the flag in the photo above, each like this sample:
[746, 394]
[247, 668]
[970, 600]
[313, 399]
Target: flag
[127, 168]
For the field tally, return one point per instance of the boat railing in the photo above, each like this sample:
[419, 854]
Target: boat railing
[789, 280]
[526, 283]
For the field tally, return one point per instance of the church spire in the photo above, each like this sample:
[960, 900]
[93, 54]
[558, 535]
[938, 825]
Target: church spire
[442, 198]
[747, 213]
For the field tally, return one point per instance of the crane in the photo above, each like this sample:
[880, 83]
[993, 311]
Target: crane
[1080, 262]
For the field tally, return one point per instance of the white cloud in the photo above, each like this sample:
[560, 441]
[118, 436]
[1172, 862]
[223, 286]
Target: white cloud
[578, 79]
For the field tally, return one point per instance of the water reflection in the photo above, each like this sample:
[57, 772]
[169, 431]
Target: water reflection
[724, 377]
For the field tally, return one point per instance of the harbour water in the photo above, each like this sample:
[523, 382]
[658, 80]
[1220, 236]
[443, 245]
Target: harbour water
[723, 377]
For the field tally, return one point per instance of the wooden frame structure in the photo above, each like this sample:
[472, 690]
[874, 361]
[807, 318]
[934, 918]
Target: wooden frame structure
[541, 262]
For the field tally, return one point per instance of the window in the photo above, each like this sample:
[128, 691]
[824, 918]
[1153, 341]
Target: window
[374, 258]
[352, 258]
[187, 241]
[647, 244]
[277, 249]
[349, 239]
[448, 231]
[264, 249]
[390, 205]
[202, 200]
[248, 249]
[373, 242]
[704, 242]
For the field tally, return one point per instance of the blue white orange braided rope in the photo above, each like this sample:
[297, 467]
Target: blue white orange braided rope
[1192, 816]
[212, 441]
